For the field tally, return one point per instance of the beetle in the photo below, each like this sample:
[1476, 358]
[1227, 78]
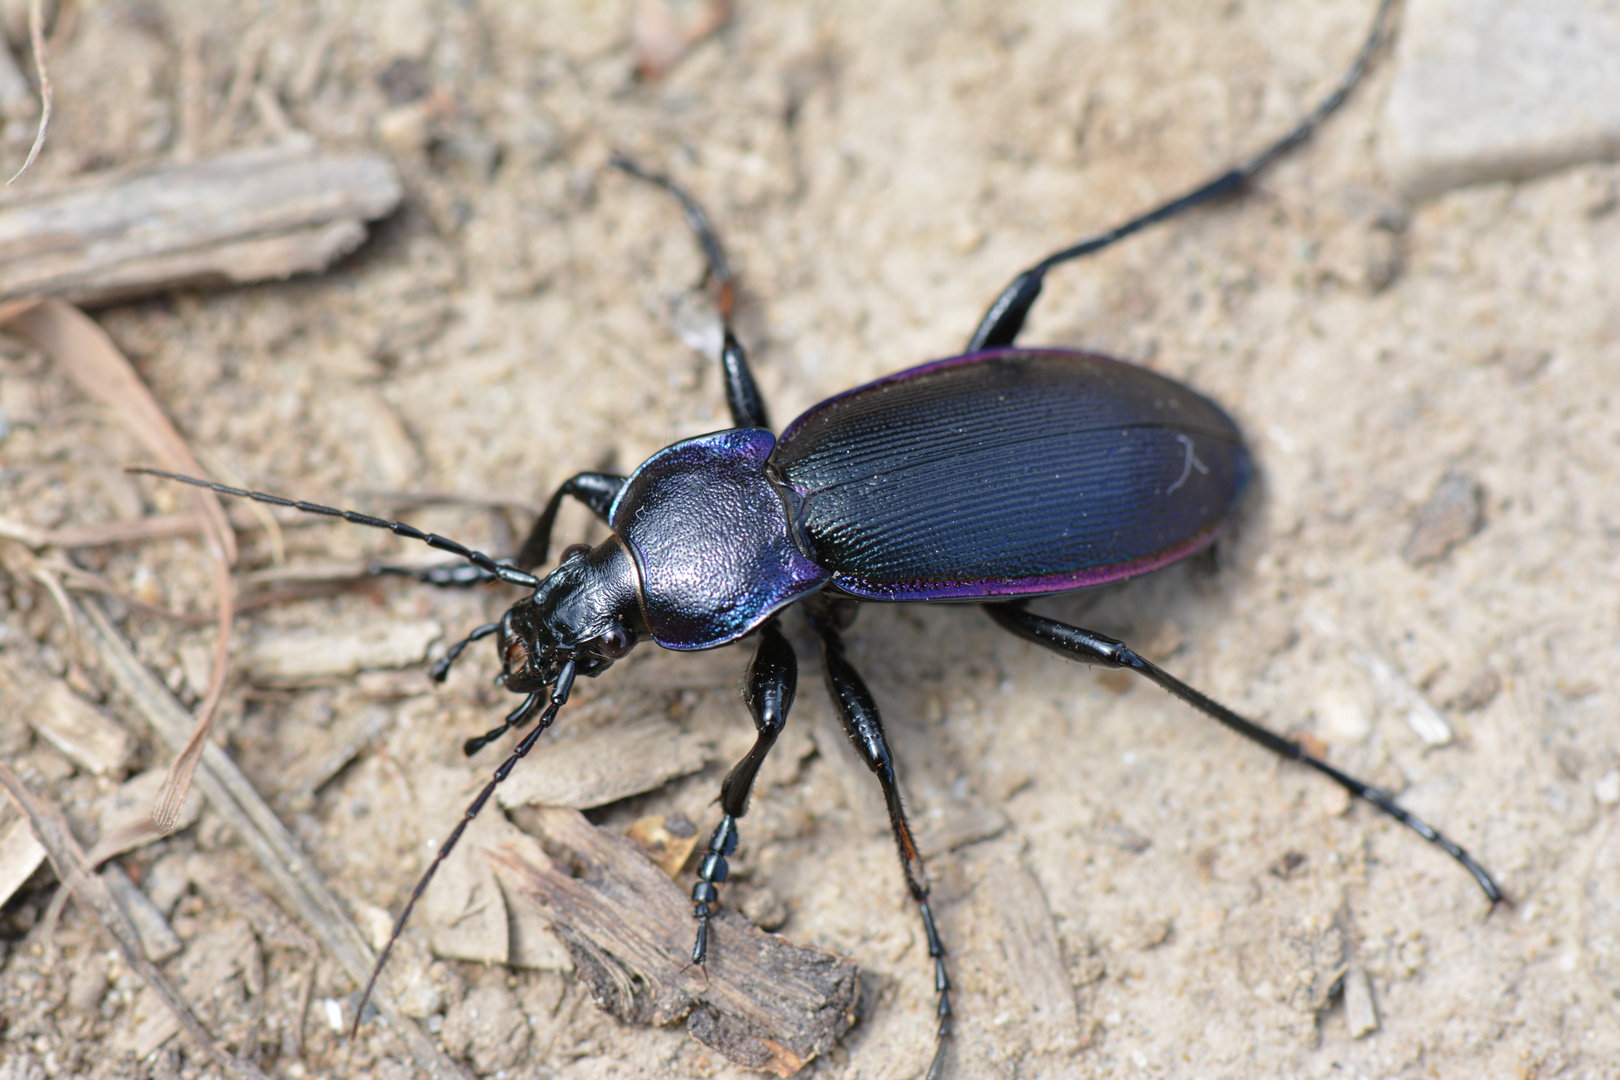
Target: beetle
[991, 477]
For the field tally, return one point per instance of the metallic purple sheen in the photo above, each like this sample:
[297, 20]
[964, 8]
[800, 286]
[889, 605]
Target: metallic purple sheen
[711, 539]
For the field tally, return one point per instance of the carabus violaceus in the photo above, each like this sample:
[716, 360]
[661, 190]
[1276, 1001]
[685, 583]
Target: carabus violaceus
[991, 477]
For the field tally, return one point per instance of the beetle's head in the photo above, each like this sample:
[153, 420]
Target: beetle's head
[586, 610]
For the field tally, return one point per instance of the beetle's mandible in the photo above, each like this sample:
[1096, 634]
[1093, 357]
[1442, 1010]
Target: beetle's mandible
[991, 477]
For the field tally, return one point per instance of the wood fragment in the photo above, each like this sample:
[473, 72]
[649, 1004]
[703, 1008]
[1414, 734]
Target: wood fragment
[251, 215]
[158, 939]
[296, 658]
[666, 840]
[212, 959]
[326, 751]
[1360, 1014]
[766, 1004]
[1034, 961]
[85, 734]
[605, 764]
[20, 855]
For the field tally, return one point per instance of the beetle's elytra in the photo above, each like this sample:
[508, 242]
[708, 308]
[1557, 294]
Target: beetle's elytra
[992, 477]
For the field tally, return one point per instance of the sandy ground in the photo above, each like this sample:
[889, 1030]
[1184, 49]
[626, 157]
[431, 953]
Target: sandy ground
[878, 172]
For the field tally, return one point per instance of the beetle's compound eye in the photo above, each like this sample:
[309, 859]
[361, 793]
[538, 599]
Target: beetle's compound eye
[571, 550]
[614, 643]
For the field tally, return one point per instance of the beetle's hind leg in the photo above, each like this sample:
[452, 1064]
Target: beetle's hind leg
[768, 690]
[864, 727]
[1091, 648]
[1002, 323]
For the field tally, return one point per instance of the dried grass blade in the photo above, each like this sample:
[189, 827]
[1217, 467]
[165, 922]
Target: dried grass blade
[36, 36]
[84, 350]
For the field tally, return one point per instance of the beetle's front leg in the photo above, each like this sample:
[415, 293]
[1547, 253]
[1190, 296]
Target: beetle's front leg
[595, 490]
[772, 680]
[864, 727]
[1092, 648]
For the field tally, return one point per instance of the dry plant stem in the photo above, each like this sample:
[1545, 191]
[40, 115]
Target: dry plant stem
[24, 563]
[151, 527]
[36, 36]
[229, 792]
[68, 860]
[259, 512]
[155, 527]
[85, 351]
[56, 576]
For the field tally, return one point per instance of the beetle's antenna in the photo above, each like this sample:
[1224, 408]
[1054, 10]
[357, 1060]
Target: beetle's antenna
[1005, 318]
[559, 698]
[508, 574]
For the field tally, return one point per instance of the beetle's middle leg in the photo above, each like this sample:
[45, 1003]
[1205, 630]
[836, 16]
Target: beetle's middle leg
[772, 681]
[864, 727]
[1092, 648]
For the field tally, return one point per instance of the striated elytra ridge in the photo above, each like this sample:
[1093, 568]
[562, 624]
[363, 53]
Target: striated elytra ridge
[1086, 470]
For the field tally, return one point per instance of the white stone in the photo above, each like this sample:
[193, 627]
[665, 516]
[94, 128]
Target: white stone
[1501, 90]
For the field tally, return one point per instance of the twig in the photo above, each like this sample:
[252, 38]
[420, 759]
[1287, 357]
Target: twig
[68, 859]
[283, 861]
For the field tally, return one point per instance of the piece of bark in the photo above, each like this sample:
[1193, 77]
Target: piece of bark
[296, 658]
[766, 1003]
[65, 720]
[1034, 961]
[250, 215]
[1454, 512]
[20, 855]
[605, 764]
